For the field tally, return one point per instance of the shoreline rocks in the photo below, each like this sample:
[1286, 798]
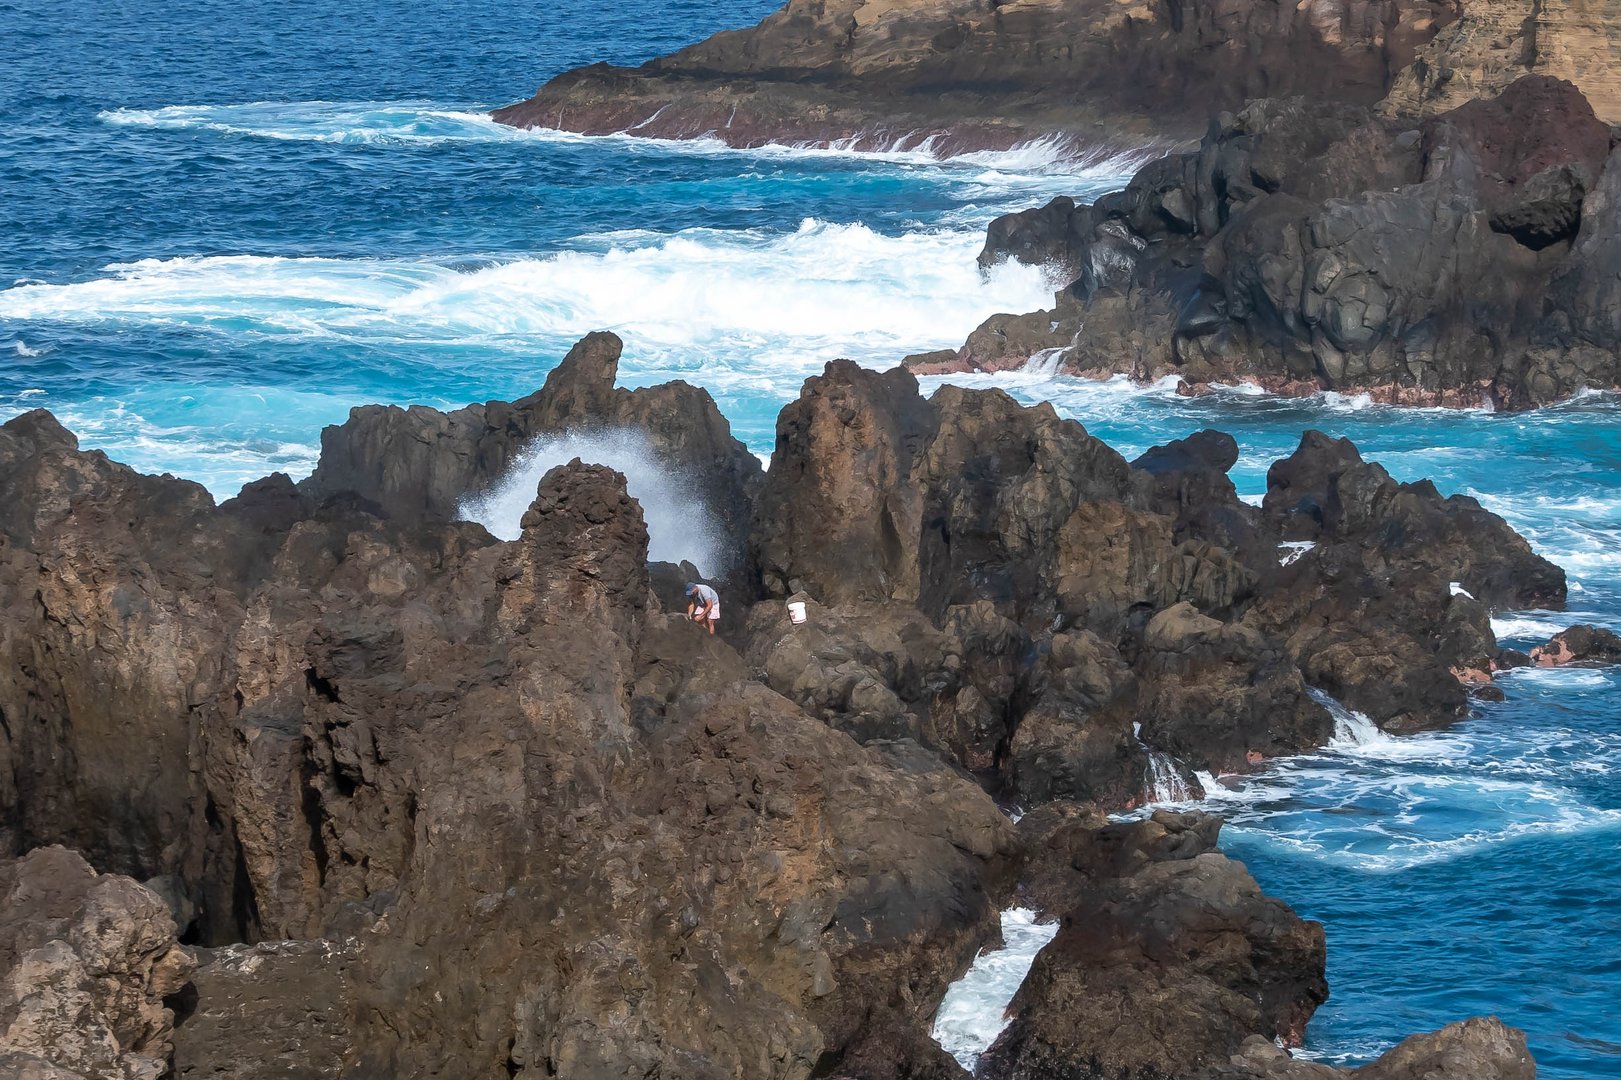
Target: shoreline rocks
[1308, 246]
[960, 76]
[505, 814]
[1167, 958]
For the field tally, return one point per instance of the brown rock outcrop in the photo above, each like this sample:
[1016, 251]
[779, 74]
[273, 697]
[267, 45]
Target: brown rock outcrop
[86, 961]
[1489, 45]
[1167, 959]
[974, 75]
[405, 728]
[496, 812]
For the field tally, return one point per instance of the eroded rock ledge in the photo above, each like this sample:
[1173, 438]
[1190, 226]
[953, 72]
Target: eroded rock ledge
[973, 74]
[494, 809]
[1469, 259]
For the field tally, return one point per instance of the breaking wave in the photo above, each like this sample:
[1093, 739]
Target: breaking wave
[430, 123]
[679, 526]
[819, 291]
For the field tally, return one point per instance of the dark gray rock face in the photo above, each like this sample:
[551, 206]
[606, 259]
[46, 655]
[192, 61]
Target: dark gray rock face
[1308, 246]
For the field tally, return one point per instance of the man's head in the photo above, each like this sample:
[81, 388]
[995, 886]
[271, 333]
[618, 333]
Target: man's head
[692, 588]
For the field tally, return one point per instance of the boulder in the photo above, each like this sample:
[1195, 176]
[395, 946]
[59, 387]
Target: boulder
[1167, 961]
[1580, 644]
[1217, 694]
[1324, 493]
[86, 963]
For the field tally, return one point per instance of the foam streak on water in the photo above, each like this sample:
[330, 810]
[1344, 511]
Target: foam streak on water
[974, 1010]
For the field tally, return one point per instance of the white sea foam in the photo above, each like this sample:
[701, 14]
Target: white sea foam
[1523, 626]
[1562, 678]
[1402, 852]
[760, 301]
[679, 526]
[1291, 551]
[974, 1010]
[323, 121]
[429, 122]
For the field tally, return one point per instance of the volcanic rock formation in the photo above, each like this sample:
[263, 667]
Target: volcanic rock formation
[1467, 259]
[86, 962]
[1212, 962]
[966, 73]
[488, 809]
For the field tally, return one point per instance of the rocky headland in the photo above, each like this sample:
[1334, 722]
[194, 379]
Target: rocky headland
[1410, 200]
[375, 794]
[1467, 259]
[1105, 73]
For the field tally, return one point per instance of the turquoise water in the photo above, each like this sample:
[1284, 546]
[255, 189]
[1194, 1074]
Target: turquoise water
[224, 225]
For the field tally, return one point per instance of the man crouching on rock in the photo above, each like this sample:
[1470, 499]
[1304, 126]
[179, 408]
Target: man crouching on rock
[703, 604]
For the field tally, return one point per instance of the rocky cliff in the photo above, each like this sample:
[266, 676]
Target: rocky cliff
[1466, 259]
[426, 803]
[1106, 72]
[972, 73]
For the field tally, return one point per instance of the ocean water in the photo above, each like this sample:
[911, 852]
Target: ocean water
[223, 225]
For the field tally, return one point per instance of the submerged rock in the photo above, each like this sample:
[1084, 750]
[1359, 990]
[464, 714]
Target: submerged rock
[1482, 1048]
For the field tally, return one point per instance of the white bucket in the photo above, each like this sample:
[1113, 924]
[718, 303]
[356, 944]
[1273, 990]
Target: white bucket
[796, 611]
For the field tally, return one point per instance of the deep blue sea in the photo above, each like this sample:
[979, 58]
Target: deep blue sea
[223, 224]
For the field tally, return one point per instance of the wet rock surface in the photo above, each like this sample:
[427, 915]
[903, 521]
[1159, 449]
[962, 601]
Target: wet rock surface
[1167, 958]
[1581, 644]
[1481, 1047]
[429, 803]
[1461, 259]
